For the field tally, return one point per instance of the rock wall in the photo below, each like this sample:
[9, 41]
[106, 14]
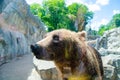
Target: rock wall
[18, 29]
[109, 47]
[111, 54]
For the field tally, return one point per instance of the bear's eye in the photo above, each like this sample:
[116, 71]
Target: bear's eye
[55, 39]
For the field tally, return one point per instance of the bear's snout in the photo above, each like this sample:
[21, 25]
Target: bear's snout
[36, 49]
[39, 52]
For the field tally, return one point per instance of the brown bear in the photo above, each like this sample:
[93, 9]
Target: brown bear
[74, 58]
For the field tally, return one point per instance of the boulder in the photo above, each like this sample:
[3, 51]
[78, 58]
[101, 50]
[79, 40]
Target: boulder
[111, 54]
[44, 70]
[111, 64]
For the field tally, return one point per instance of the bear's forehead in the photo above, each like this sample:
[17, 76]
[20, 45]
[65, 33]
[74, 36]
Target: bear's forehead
[62, 32]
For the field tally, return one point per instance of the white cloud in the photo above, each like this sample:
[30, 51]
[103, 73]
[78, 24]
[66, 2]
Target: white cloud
[102, 2]
[94, 7]
[116, 11]
[96, 24]
[34, 1]
[104, 21]
[90, 5]
[97, 5]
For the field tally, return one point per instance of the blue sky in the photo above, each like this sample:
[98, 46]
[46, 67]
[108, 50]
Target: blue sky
[103, 9]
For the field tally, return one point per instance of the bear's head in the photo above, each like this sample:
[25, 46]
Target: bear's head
[60, 45]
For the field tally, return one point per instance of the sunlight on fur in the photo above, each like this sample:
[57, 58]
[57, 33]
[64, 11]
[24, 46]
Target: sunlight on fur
[82, 77]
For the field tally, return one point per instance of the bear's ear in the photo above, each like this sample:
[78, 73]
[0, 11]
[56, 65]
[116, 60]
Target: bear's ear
[82, 35]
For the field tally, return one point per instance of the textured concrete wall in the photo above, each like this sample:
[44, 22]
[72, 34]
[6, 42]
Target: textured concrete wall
[18, 29]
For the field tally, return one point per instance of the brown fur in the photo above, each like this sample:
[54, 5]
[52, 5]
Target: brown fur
[71, 54]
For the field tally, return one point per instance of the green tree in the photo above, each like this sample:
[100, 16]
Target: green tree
[37, 10]
[116, 19]
[102, 29]
[72, 13]
[117, 22]
[114, 23]
[55, 14]
[81, 15]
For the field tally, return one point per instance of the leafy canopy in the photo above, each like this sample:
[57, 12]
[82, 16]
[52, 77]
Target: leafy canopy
[55, 14]
[114, 23]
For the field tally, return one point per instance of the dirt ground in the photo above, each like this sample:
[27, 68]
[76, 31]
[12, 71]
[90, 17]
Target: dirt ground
[17, 69]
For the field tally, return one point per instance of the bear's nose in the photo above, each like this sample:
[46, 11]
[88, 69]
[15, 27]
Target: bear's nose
[35, 49]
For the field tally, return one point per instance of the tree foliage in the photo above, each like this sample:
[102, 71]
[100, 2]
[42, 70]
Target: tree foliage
[116, 19]
[55, 14]
[80, 15]
[83, 17]
[37, 10]
[114, 23]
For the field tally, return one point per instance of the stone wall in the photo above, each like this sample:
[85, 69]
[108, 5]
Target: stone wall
[111, 54]
[18, 29]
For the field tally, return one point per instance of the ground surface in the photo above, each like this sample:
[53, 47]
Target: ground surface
[17, 69]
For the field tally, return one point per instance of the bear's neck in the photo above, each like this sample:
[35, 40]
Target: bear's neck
[68, 70]
[68, 64]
